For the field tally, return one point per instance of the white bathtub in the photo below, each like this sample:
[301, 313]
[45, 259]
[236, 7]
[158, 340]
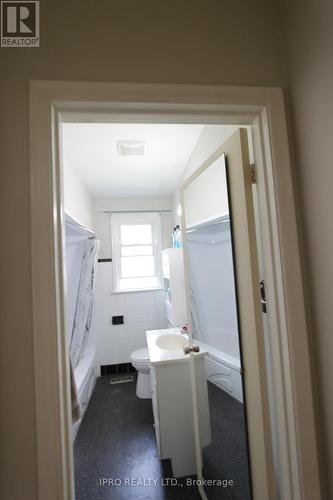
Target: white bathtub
[223, 370]
[85, 382]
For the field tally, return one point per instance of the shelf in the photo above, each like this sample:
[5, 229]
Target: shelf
[218, 219]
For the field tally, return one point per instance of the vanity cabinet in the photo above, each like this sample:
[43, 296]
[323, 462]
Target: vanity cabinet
[173, 412]
[174, 286]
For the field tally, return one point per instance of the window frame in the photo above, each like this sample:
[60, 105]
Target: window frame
[137, 218]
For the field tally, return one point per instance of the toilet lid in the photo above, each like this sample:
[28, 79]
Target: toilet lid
[141, 354]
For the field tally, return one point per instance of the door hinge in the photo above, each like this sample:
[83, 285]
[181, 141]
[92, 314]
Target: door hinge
[253, 173]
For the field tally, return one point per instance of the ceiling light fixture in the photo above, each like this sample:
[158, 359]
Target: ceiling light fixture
[131, 148]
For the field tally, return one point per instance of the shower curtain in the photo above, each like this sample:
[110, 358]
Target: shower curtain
[84, 302]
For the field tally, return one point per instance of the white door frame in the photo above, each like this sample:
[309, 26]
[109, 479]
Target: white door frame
[263, 109]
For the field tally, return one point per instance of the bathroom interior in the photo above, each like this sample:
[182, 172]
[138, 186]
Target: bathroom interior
[147, 263]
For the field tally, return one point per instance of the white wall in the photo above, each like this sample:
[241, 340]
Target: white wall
[77, 200]
[141, 310]
[213, 288]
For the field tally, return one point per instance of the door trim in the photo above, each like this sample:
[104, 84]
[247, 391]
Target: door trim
[260, 107]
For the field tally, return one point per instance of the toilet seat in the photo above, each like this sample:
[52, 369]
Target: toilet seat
[141, 355]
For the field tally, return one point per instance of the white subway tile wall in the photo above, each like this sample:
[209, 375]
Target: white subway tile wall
[141, 310]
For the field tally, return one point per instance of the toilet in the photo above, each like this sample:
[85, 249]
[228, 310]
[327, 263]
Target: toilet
[141, 362]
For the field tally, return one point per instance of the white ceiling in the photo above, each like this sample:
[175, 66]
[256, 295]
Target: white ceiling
[91, 148]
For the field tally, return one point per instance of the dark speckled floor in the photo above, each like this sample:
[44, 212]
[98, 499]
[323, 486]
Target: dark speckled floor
[116, 443]
[227, 456]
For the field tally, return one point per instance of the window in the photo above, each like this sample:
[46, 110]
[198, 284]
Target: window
[136, 251]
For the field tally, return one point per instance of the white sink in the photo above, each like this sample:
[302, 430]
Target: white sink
[171, 342]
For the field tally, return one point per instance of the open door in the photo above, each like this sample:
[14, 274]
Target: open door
[225, 319]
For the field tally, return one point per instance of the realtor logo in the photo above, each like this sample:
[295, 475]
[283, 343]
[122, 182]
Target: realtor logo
[19, 24]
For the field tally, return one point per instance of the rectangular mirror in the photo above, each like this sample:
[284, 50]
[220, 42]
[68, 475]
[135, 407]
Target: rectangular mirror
[208, 252]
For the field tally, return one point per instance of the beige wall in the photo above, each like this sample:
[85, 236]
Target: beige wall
[308, 36]
[188, 41]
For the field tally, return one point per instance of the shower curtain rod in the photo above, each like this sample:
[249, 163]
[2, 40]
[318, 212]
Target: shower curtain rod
[207, 224]
[134, 211]
[80, 230]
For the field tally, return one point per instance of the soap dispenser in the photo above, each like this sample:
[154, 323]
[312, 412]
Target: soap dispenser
[174, 238]
[178, 237]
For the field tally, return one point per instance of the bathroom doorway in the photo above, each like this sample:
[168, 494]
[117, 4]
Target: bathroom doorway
[129, 320]
[66, 112]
